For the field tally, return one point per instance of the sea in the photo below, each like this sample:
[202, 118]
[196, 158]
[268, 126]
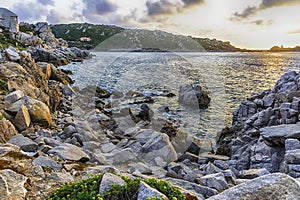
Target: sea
[228, 77]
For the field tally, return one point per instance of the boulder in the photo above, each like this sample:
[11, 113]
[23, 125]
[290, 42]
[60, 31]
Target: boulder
[145, 191]
[7, 130]
[109, 180]
[12, 185]
[216, 181]
[292, 144]
[24, 143]
[14, 96]
[39, 112]
[22, 119]
[159, 146]
[269, 187]
[69, 152]
[193, 96]
[12, 54]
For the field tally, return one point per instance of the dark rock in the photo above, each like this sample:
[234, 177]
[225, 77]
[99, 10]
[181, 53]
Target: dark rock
[46, 162]
[24, 143]
[193, 96]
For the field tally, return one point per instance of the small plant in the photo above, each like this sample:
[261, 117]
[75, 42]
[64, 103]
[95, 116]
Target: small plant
[1, 117]
[80, 190]
[165, 187]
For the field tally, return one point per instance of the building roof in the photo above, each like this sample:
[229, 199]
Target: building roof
[5, 11]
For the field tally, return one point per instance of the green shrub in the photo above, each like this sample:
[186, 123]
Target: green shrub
[89, 190]
[80, 190]
[165, 187]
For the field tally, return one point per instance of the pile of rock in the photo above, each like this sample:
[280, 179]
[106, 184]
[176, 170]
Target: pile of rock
[265, 132]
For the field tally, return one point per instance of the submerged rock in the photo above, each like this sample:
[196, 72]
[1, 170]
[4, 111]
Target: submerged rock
[193, 96]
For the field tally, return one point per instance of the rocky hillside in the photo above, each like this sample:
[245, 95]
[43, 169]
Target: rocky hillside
[119, 39]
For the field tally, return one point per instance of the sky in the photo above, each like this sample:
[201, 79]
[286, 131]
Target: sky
[251, 24]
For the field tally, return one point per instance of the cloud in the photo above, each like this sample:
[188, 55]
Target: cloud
[277, 3]
[46, 2]
[55, 17]
[169, 7]
[297, 31]
[31, 11]
[250, 11]
[162, 7]
[98, 7]
[188, 3]
[261, 22]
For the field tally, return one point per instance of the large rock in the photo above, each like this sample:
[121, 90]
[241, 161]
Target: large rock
[12, 54]
[276, 135]
[216, 181]
[145, 191]
[158, 147]
[69, 152]
[269, 187]
[7, 130]
[39, 112]
[24, 143]
[109, 180]
[12, 185]
[193, 96]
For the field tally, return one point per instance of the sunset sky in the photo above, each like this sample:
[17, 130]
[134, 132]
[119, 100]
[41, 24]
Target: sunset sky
[253, 24]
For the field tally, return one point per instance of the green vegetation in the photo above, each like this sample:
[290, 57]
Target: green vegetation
[25, 29]
[89, 190]
[6, 41]
[3, 88]
[73, 32]
[99, 33]
[1, 117]
[80, 190]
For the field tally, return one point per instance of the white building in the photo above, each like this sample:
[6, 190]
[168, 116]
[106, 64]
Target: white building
[9, 20]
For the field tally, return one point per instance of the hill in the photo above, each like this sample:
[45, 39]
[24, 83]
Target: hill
[120, 39]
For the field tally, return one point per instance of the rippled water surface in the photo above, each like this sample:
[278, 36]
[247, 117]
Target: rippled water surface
[229, 77]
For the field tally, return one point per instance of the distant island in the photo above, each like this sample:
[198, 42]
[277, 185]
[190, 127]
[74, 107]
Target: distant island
[285, 49]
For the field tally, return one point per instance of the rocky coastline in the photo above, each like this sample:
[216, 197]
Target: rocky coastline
[52, 134]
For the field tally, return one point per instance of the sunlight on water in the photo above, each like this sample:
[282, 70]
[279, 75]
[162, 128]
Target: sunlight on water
[229, 77]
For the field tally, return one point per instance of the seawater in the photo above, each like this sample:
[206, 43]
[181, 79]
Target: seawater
[229, 77]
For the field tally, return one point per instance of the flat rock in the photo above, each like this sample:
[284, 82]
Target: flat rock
[253, 173]
[46, 162]
[145, 191]
[276, 135]
[69, 152]
[275, 186]
[61, 177]
[24, 143]
[109, 180]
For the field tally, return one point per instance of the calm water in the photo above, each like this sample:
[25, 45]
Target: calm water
[229, 77]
